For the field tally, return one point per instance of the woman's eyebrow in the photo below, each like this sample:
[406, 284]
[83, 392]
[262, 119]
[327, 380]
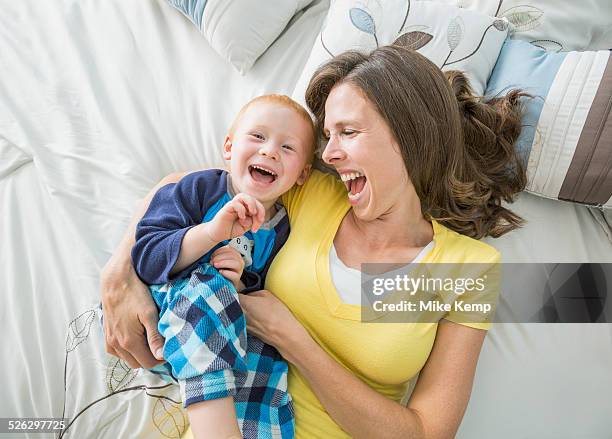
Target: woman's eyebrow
[341, 123]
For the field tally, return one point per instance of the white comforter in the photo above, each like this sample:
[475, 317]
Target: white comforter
[98, 101]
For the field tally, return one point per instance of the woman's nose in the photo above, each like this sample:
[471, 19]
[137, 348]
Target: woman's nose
[333, 152]
[269, 150]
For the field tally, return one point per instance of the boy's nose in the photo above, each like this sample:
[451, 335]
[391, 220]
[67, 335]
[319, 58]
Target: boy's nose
[269, 150]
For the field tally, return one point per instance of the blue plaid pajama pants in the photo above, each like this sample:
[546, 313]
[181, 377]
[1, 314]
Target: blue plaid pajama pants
[209, 353]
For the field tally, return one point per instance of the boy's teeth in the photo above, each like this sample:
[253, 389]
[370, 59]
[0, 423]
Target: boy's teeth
[265, 170]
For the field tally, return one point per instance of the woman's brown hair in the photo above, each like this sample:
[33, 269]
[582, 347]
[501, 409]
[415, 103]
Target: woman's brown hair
[458, 148]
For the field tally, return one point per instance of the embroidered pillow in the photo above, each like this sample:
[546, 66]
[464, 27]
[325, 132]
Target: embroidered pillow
[453, 38]
[554, 25]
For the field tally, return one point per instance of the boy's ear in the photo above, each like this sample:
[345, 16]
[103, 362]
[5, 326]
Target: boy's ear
[304, 175]
[227, 148]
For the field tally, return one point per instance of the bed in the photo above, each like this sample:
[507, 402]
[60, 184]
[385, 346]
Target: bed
[101, 99]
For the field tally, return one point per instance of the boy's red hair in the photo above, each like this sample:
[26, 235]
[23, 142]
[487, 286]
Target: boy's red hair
[284, 101]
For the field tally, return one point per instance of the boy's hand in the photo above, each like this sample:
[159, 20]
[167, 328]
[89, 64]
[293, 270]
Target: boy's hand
[230, 264]
[241, 214]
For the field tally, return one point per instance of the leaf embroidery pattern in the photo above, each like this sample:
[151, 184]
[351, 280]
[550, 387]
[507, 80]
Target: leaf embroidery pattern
[169, 418]
[417, 27]
[325, 47]
[454, 32]
[524, 17]
[548, 45]
[413, 40]
[119, 374]
[405, 17]
[322, 37]
[501, 25]
[147, 390]
[454, 35]
[78, 329]
[484, 34]
[363, 21]
[499, 5]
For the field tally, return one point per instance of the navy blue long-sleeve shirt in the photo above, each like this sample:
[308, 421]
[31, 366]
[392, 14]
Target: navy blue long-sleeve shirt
[196, 199]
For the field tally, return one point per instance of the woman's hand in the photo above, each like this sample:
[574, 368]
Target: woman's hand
[270, 320]
[130, 316]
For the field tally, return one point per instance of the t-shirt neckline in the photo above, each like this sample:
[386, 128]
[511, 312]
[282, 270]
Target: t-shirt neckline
[335, 305]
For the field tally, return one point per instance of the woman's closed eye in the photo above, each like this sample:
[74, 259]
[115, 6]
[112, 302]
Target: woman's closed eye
[344, 132]
[288, 147]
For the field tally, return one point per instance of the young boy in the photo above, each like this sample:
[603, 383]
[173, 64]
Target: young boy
[204, 239]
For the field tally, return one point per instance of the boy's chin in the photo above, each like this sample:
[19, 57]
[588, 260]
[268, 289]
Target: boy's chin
[265, 197]
[268, 191]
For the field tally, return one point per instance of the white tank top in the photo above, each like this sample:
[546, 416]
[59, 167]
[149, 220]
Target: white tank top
[347, 280]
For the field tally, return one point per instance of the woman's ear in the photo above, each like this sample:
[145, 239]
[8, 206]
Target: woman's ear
[227, 148]
[304, 174]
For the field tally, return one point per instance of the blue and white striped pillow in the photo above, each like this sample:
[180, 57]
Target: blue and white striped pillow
[567, 133]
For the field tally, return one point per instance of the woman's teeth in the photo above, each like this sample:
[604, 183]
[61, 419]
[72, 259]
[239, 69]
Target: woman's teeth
[354, 182]
[350, 176]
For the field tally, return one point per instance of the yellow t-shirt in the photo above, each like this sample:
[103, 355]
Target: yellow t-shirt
[385, 356]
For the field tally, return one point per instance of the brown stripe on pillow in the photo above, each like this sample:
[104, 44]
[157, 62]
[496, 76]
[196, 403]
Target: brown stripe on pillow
[589, 177]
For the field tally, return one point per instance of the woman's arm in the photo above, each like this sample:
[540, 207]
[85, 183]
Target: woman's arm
[445, 383]
[130, 315]
[437, 404]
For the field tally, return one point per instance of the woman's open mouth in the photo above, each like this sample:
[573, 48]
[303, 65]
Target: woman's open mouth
[261, 174]
[355, 183]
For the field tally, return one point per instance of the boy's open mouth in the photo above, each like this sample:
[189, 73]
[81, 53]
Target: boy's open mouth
[261, 174]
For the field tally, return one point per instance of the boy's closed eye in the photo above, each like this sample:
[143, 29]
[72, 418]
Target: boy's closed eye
[258, 136]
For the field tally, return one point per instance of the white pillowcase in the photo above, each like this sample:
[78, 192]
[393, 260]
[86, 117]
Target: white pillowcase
[240, 30]
[453, 38]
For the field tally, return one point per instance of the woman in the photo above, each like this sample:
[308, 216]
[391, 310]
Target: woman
[426, 166]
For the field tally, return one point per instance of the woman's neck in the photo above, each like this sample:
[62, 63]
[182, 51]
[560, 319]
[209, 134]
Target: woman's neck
[393, 231]
[381, 240]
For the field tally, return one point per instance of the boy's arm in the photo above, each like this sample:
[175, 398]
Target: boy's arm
[173, 212]
[235, 218]
[214, 419]
[196, 243]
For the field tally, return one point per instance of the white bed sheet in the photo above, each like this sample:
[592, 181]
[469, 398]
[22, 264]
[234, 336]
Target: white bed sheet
[98, 101]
